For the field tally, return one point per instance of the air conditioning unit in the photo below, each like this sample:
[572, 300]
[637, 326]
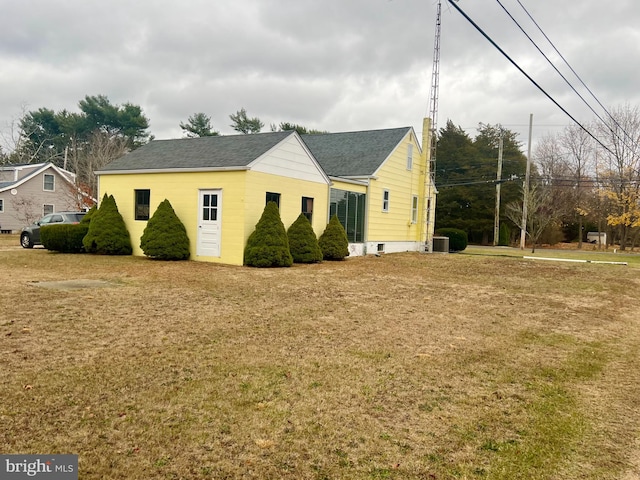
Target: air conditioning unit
[441, 244]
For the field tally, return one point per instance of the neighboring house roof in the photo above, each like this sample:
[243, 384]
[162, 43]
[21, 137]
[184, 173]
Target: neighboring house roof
[41, 167]
[215, 152]
[354, 154]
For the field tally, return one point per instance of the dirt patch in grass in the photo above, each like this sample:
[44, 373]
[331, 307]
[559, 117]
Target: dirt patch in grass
[77, 284]
[403, 366]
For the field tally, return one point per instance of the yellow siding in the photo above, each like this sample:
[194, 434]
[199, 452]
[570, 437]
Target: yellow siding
[291, 192]
[243, 200]
[396, 224]
[182, 190]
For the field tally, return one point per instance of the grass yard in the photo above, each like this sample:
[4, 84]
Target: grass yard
[404, 366]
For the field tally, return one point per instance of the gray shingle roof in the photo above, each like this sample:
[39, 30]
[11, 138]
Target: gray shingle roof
[349, 154]
[205, 152]
[353, 154]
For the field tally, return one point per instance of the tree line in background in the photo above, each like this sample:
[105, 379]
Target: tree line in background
[577, 184]
[85, 141]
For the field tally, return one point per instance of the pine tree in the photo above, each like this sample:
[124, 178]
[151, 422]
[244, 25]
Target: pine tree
[165, 237]
[107, 235]
[303, 242]
[333, 241]
[268, 245]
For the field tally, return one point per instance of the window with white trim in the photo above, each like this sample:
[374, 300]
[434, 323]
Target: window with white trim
[409, 156]
[47, 209]
[385, 200]
[1, 205]
[49, 182]
[307, 208]
[414, 209]
[142, 204]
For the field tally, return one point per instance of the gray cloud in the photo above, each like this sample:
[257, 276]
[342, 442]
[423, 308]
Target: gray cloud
[335, 65]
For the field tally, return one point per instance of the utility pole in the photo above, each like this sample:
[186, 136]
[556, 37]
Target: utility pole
[523, 229]
[496, 221]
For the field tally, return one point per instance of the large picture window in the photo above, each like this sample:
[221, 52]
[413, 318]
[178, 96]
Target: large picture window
[143, 198]
[350, 209]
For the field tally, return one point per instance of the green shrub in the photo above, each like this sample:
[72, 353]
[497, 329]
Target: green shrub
[107, 235]
[165, 237]
[87, 218]
[303, 243]
[333, 241]
[268, 245]
[65, 238]
[457, 238]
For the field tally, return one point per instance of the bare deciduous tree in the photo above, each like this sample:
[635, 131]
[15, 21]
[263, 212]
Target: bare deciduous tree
[540, 213]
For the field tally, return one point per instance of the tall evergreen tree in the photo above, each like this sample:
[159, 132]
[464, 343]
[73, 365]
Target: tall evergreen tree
[466, 178]
[198, 125]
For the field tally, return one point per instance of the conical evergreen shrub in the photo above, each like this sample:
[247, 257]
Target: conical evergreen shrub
[303, 243]
[268, 245]
[333, 241]
[164, 237]
[107, 235]
[90, 213]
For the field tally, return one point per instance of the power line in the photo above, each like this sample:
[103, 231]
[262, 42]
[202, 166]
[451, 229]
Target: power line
[486, 36]
[549, 61]
[576, 75]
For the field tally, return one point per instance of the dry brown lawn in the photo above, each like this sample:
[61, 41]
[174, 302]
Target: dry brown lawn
[404, 366]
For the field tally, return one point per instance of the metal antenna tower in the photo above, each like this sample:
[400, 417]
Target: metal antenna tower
[433, 114]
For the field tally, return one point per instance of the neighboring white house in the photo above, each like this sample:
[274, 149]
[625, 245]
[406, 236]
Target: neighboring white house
[27, 192]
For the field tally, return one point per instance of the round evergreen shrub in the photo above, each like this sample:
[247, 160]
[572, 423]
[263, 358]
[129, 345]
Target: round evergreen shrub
[164, 237]
[333, 241]
[64, 238]
[457, 238]
[303, 243]
[108, 234]
[268, 245]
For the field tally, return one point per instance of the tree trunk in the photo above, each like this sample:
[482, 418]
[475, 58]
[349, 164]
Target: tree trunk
[580, 232]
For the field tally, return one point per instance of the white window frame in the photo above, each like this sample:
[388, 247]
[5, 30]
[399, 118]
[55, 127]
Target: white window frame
[44, 182]
[410, 156]
[414, 209]
[44, 209]
[1, 205]
[385, 200]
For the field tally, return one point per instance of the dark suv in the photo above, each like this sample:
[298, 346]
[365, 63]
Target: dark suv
[30, 235]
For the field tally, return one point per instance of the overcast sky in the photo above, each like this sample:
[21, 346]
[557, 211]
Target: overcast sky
[336, 65]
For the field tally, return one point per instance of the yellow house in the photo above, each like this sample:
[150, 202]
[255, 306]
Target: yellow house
[379, 187]
[374, 181]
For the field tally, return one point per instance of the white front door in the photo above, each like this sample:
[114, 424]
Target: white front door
[209, 222]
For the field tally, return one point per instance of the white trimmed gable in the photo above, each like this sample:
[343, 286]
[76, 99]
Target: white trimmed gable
[290, 158]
